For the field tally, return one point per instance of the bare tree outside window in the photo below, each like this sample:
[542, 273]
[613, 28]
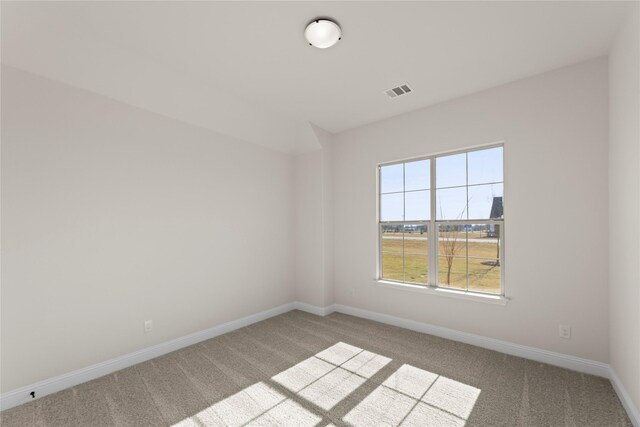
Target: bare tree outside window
[451, 247]
[450, 243]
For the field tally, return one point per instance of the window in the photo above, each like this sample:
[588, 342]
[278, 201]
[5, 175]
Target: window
[441, 221]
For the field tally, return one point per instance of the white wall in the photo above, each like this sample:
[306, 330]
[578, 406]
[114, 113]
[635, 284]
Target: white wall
[112, 215]
[326, 141]
[309, 269]
[624, 202]
[555, 130]
[314, 219]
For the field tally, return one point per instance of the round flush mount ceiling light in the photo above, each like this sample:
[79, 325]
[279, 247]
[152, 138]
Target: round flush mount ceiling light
[322, 33]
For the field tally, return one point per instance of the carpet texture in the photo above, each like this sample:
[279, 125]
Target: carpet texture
[299, 369]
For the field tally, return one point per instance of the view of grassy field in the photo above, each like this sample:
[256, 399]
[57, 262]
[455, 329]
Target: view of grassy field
[473, 259]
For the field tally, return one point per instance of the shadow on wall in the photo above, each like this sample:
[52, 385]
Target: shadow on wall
[333, 385]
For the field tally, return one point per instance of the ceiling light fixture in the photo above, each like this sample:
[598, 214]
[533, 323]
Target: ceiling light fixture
[322, 33]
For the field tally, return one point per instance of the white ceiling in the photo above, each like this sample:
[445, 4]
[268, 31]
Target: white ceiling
[254, 54]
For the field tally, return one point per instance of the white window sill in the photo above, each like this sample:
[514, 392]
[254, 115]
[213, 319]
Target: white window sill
[451, 293]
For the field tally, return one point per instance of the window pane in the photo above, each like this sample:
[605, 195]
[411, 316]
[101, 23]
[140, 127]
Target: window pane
[451, 171]
[485, 201]
[484, 275]
[451, 203]
[416, 206]
[452, 272]
[484, 241]
[415, 269]
[417, 175]
[392, 238]
[391, 207]
[392, 266]
[452, 241]
[391, 178]
[485, 166]
[415, 239]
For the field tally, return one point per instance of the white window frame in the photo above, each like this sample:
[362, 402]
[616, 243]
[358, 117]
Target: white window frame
[432, 231]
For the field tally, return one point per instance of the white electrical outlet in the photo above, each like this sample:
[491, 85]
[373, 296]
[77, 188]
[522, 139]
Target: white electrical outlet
[148, 325]
[565, 332]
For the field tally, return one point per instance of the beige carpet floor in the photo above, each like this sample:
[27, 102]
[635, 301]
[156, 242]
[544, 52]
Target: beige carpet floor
[299, 369]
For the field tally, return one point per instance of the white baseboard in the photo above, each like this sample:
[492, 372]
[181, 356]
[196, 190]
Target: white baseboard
[42, 388]
[628, 404]
[61, 382]
[574, 363]
[552, 358]
[314, 309]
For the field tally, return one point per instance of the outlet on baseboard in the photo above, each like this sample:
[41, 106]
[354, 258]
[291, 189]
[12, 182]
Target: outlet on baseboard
[148, 325]
[565, 332]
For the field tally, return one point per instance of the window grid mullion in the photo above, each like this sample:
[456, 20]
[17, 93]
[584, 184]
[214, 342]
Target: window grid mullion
[466, 252]
[432, 232]
[466, 231]
[380, 272]
[404, 217]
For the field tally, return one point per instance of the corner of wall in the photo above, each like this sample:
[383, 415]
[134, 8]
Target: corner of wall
[313, 216]
[624, 211]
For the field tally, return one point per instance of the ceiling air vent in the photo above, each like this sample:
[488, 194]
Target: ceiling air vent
[398, 91]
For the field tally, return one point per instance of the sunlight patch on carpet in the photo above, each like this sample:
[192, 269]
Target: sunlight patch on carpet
[304, 373]
[382, 407]
[332, 374]
[415, 397]
[257, 404]
[409, 396]
[452, 396]
[411, 381]
[332, 388]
